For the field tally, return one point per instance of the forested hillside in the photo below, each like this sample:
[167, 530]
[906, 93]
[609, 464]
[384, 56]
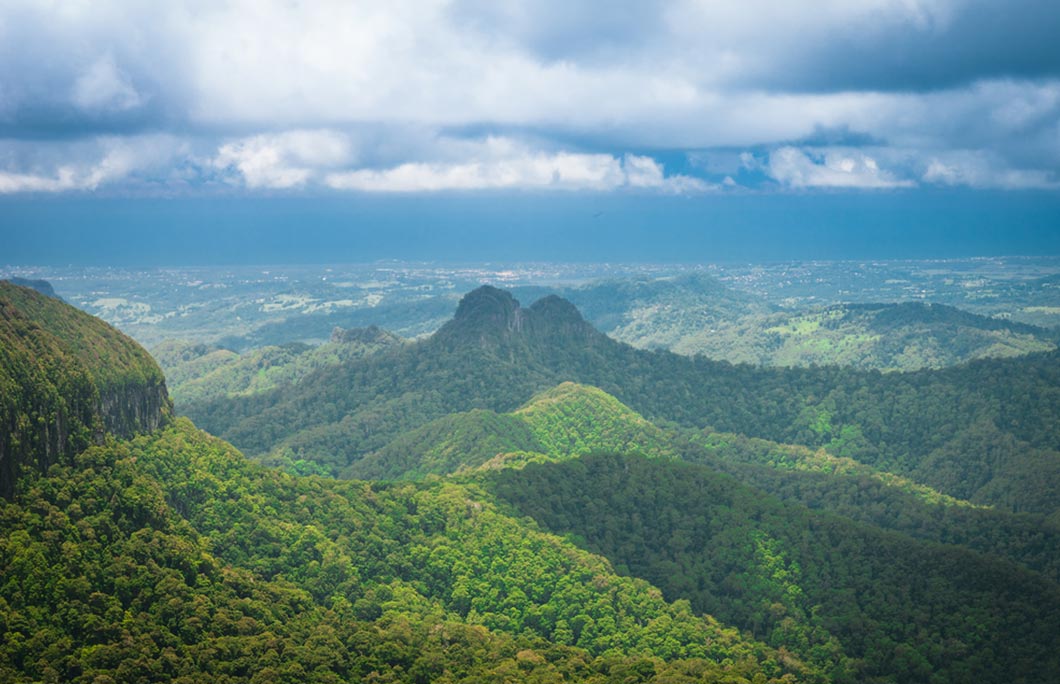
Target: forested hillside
[200, 372]
[517, 525]
[172, 558]
[65, 377]
[817, 585]
[566, 421]
[697, 314]
[984, 431]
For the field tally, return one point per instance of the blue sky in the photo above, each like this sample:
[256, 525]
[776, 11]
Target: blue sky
[568, 102]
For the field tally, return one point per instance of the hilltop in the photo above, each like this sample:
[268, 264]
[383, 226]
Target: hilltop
[698, 314]
[567, 421]
[982, 432]
[171, 557]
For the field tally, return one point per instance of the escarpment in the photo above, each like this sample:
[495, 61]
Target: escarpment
[66, 380]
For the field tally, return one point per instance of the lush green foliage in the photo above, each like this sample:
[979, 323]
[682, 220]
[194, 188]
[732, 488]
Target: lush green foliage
[984, 432]
[112, 358]
[823, 482]
[572, 420]
[874, 606]
[64, 377]
[697, 314]
[566, 421]
[198, 372]
[449, 444]
[172, 558]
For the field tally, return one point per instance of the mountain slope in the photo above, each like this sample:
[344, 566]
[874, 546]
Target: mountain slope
[811, 583]
[496, 355]
[697, 314]
[172, 558]
[575, 420]
[566, 421]
[198, 372]
[65, 379]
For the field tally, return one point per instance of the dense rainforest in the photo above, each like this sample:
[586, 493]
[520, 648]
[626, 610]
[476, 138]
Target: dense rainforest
[984, 431]
[522, 499]
[65, 377]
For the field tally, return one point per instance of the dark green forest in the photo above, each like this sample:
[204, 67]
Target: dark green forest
[984, 431]
[815, 584]
[521, 499]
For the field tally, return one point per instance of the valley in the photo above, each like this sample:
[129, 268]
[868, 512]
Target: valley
[520, 495]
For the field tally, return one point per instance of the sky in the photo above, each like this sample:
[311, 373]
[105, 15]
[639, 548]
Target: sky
[681, 120]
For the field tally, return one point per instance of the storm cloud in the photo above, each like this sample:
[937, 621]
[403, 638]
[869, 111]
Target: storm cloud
[402, 96]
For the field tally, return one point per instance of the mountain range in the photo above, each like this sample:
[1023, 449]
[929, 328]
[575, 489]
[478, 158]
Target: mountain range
[535, 501]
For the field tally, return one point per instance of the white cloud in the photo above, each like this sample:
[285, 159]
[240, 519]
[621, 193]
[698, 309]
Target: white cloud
[88, 167]
[835, 168]
[104, 87]
[380, 83]
[503, 164]
[979, 170]
[283, 160]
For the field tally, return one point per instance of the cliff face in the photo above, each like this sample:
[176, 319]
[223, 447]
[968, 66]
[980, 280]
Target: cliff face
[66, 380]
[134, 408]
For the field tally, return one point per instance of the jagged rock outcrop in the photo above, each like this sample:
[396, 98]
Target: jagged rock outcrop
[488, 316]
[66, 380]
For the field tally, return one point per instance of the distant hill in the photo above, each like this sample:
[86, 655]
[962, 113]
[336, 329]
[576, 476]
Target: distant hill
[657, 311]
[567, 421]
[984, 432]
[405, 318]
[905, 336]
[198, 372]
[697, 314]
[66, 379]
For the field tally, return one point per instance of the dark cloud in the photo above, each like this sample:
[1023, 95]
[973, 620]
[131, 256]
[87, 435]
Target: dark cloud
[968, 88]
[583, 30]
[983, 39]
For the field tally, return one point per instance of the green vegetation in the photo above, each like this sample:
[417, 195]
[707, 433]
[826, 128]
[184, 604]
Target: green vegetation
[172, 558]
[564, 422]
[64, 378]
[720, 523]
[583, 420]
[697, 314]
[984, 432]
[905, 337]
[855, 491]
[867, 605]
[572, 420]
[198, 372]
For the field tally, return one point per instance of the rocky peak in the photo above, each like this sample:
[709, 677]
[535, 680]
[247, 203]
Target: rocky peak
[489, 315]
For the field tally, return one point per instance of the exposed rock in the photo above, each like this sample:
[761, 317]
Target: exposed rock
[66, 380]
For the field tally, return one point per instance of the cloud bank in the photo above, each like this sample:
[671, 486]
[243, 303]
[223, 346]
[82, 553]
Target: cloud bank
[469, 95]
